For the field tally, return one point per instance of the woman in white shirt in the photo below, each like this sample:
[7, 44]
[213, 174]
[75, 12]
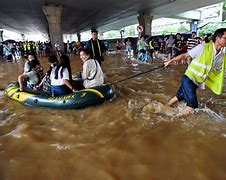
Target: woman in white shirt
[61, 77]
[92, 73]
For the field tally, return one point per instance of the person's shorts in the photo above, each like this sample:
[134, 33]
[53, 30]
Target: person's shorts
[60, 90]
[176, 52]
[187, 92]
[9, 57]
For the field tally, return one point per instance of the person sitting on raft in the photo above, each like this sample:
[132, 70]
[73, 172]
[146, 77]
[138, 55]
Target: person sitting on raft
[92, 74]
[61, 77]
[45, 84]
[27, 67]
[32, 78]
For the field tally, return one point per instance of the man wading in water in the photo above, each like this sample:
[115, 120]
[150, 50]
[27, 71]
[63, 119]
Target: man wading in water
[206, 69]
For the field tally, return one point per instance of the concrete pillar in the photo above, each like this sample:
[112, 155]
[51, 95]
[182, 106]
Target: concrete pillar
[53, 15]
[79, 37]
[145, 20]
[1, 36]
[193, 26]
[122, 31]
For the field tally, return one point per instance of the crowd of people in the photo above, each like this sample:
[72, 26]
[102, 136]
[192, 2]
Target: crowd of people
[206, 62]
[145, 47]
[11, 50]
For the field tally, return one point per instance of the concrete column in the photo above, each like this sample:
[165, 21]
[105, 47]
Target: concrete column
[194, 26]
[145, 20]
[79, 37]
[122, 31]
[1, 36]
[53, 15]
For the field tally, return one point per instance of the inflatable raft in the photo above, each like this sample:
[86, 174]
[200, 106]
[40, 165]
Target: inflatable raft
[80, 99]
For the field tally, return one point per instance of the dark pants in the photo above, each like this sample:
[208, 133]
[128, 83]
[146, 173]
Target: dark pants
[60, 90]
[177, 52]
[99, 59]
[78, 84]
[187, 92]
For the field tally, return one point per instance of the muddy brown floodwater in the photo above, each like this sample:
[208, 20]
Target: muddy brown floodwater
[133, 137]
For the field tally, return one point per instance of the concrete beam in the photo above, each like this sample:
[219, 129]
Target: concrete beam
[193, 15]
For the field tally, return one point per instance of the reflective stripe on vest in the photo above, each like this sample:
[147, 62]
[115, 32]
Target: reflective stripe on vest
[25, 47]
[200, 68]
[215, 80]
[98, 44]
[28, 47]
[150, 45]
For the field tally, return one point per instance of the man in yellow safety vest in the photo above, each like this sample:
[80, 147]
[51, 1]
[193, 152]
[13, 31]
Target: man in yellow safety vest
[206, 69]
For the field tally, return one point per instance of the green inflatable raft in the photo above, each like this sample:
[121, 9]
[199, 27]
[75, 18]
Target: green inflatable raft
[80, 99]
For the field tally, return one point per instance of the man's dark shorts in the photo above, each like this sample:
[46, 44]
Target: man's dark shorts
[187, 92]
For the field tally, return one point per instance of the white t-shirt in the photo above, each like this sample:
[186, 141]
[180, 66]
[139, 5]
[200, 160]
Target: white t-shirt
[33, 78]
[92, 70]
[26, 67]
[60, 80]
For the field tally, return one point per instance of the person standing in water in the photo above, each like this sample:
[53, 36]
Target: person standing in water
[96, 47]
[206, 69]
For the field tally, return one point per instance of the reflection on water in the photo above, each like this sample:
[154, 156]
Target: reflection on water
[132, 137]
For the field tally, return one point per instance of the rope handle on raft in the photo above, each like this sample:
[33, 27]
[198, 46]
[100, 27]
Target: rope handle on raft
[116, 82]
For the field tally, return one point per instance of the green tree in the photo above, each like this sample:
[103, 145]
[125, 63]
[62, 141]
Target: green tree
[184, 28]
[210, 28]
[111, 35]
[130, 31]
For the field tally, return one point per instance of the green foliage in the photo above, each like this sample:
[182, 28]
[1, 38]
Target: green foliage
[111, 34]
[184, 28]
[130, 31]
[210, 28]
[224, 6]
[169, 30]
[173, 30]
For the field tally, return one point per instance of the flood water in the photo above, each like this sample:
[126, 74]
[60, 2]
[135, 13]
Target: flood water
[133, 137]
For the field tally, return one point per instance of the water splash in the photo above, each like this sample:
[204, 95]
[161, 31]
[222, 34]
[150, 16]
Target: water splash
[159, 108]
[218, 117]
[17, 133]
[61, 146]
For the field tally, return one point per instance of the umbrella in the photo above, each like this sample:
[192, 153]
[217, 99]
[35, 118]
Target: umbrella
[9, 41]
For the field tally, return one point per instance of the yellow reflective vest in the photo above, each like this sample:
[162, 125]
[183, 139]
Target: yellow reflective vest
[200, 70]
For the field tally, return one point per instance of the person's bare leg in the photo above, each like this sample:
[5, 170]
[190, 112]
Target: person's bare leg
[172, 101]
[188, 110]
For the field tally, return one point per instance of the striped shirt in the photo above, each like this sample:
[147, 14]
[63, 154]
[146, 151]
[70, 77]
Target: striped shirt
[192, 42]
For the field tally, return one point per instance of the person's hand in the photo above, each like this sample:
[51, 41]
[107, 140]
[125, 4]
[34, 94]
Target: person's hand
[166, 63]
[73, 90]
[37, 87]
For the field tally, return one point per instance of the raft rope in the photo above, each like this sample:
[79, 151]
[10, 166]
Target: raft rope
[116, 82]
